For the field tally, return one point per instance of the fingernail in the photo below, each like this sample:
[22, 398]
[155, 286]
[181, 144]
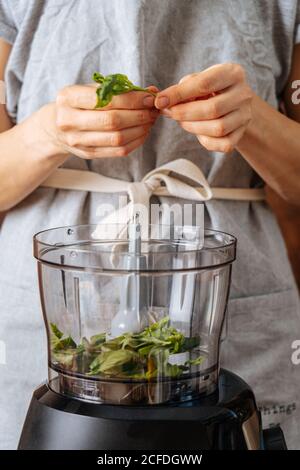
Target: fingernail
[148, 101]
[162, 102]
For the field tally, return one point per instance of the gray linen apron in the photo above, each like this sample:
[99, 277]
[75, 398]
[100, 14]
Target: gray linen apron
[61, 42]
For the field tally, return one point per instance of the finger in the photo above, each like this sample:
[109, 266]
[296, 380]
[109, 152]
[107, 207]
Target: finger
[219, 127]
[103, 152]
[105, 139]
[211, 108]
[186, 77]
[84, 97]
[211, 80]
[83, 120]
[222, 144]
[133, 100]
[78, 96]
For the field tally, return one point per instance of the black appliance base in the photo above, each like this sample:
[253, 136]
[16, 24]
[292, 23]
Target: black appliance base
[227, 420]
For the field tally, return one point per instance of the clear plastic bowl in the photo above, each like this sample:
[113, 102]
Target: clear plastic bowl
[134, 327]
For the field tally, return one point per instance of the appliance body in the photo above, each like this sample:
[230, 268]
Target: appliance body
[134, 323]
[225, 420]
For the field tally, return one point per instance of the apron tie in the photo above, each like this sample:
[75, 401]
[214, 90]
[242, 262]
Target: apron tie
[179, 178]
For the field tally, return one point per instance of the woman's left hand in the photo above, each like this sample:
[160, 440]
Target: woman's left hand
[215, 105]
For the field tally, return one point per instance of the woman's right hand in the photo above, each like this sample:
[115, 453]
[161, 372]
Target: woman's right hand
[113, 131]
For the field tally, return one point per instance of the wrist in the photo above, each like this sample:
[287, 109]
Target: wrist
[254, 128]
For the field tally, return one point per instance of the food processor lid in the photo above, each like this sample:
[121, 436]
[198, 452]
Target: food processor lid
[167, 248]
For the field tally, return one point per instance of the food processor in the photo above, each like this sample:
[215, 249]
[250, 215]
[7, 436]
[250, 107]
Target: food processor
[134, 321]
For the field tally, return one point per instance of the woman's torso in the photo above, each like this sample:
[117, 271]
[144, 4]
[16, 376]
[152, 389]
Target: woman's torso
[61, 42]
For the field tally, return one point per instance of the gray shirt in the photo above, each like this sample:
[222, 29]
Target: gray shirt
[61, 42]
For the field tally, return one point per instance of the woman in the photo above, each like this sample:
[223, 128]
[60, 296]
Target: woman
[240, 58]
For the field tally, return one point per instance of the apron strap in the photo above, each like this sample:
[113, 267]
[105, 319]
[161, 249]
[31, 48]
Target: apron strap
[180, 178]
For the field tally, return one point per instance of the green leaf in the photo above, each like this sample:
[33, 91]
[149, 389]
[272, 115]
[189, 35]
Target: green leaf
[65, 358]
[96, 340]
[195, 362]
[112, 85]
[58, 342]
[55, 331]
[115, 362]
[143, 355]
[173, 370]
[98, 78]
[114, 344]
[190, 343]
[65, 343]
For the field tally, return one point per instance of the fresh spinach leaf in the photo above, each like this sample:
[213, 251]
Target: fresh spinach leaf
[55, 331]
[112, 85]
[117, 362]
[194, 362]
[142, 356]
